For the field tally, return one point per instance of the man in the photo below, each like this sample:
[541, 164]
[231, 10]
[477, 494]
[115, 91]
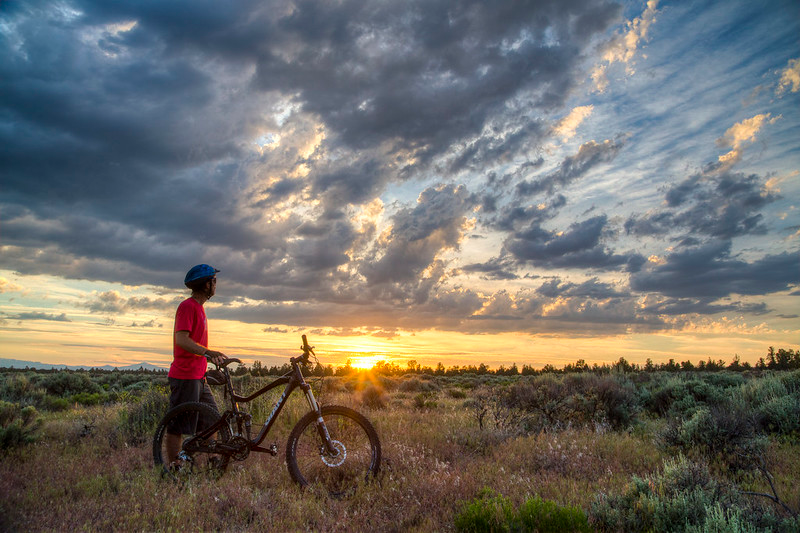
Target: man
[190, 349]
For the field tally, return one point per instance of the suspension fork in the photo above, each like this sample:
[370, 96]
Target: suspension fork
[322, 429]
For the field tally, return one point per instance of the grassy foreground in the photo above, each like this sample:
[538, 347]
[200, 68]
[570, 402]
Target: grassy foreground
[83, 471]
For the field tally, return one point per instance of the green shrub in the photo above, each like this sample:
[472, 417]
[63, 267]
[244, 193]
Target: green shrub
[719, 430]
[89, 398]
[458, 394]
[67, 383]
[679, 396]
[781, 416]
[719, 520]
[669, 501]
[21, 389]
[18, 425]
[683, 497]
[53, 403]
[554, 402]
[489, 512]
[537, 514]
[138, 418]
[425, 400]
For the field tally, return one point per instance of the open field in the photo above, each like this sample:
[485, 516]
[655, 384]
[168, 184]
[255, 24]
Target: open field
[460, 453]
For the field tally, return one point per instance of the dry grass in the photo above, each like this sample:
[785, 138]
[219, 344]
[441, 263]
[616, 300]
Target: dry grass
[434, 459]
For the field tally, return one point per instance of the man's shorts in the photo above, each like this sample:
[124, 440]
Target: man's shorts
[189, 390]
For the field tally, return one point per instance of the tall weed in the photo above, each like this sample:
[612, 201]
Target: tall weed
[491, 512]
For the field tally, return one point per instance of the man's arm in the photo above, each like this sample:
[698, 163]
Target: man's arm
[183, 340]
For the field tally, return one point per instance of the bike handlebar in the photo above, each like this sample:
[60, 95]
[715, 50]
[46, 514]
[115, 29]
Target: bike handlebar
[302, 359]
[226, 362]
[307, 351]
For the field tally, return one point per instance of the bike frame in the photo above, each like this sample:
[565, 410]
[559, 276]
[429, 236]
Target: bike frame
[294, 379]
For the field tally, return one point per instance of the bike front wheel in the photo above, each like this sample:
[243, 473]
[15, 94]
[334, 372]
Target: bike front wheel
[354, 460]
[186, 442]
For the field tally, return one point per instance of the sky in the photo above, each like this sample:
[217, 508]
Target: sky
[450, 181]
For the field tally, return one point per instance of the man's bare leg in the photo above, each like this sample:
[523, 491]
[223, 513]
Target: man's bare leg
[173, 446]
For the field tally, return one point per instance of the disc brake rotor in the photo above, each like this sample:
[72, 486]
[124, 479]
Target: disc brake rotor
[337, 459]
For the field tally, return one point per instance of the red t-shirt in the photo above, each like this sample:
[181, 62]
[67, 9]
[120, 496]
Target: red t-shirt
[190, 317]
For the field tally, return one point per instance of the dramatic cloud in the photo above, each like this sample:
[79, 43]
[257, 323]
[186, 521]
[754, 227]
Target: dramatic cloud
[383, 168]
[581, 246]
[716, 205]
[710, 270]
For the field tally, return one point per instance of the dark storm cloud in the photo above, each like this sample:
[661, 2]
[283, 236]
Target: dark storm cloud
[496, 268]
[591, 288]
[323, 244]
[581, 246]
[709, 270]
[701, 306]
[516, 216]
[425, 73]
[720, 206]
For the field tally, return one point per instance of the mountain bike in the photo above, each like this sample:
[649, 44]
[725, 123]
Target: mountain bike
[332, 446]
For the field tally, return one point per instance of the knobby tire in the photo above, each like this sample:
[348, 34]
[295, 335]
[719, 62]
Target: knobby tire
[185, 417]
[358, 456]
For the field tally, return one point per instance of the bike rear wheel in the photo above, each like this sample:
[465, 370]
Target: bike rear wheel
[357, 457]
[187, 422]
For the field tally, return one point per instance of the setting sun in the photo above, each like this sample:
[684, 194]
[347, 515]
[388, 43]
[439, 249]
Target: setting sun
[365, 362]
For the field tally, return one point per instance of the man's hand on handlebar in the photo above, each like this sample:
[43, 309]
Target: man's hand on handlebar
[215, 357]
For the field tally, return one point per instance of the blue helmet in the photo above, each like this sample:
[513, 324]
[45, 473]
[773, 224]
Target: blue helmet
[200, 273]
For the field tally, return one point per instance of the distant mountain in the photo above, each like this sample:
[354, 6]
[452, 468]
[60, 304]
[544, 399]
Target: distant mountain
[17, 363]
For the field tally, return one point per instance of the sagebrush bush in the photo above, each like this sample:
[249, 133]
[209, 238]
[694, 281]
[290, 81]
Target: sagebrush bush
[681, 395]
[18, 425]
[458, 394]
[776, 400]
[720, 520]
[140, 416]
[582, 399]
[425, 400]
[22, 389]
[722, 430]
[684, 497]
[373, 397]
[671, 500]
[781, 415]
[69, 383]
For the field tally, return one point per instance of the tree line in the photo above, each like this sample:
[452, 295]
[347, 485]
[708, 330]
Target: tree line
[780, 359]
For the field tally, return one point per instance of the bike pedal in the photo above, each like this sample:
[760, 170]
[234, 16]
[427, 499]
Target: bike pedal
[273, 449]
